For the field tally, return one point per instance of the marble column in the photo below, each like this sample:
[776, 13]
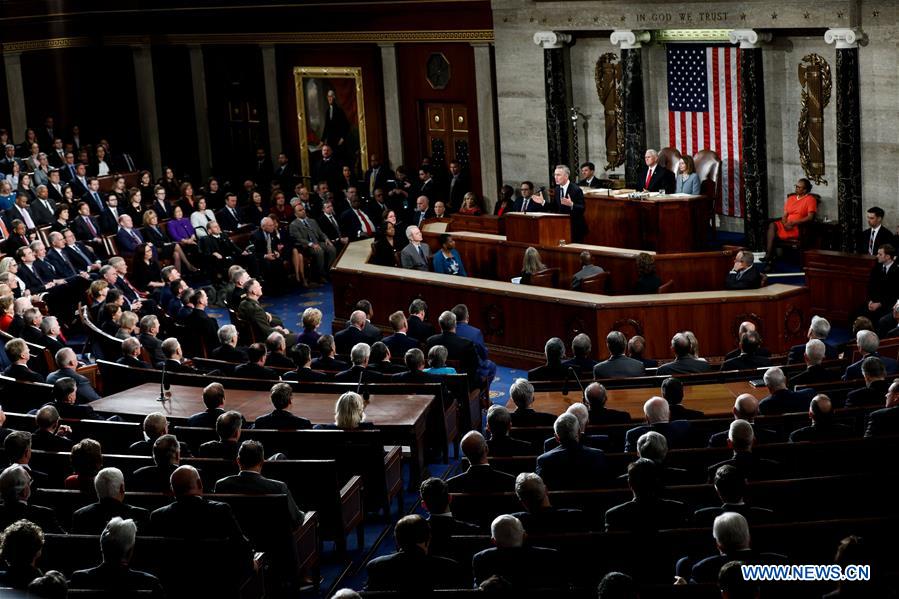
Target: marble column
[849, 147]
[146, 106]
[486, 103]
[15, 91]
[557, 79]
[201, 111]
[632, 100]
[390, 77]
[272, 101]
[755, 157]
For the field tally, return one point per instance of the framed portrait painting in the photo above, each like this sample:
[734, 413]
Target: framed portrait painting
[331, 111]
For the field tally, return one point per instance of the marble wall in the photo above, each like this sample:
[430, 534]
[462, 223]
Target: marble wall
[521, 105]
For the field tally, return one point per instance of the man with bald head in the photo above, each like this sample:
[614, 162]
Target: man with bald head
[740, 438]
[823, 427]
[684, 361]
[747, 326]
[595, 397]
[191, 516]
[274, 253]
[354, 333]
[480, 477]
[814, 372]
[746, 407]
[658, 414]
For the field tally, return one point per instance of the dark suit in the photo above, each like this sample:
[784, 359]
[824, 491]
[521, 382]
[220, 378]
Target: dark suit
[784, 401]
[523, 567]
[604, 415]
[353, 375]
[461, 349]
[380, 175]
[884, 235]
[247, 482]
[205, 419]
[678, 411]
[220, 450]
[684, 365]
[41, 214]
[444, 526]
[82, 231]
[330, 228]
[82, 260]
[746, 362]
[706, 570]
[457, 187]
[109, 222]
[797, 352]
[252, 370]
[872, 395]
[854, 371]
[42, 516]
[199, 323]
[481, 478]
[821, 432]
[883, 422]
[415, 376]
[93, 518]
[748, 278]
[127, 241]
[399, 344]
[305, 374]
[677, 433]
[85, 391]
[548, 372]
[418, 329]
[531, 206]
[529, 417]
[814, 374]
[761, 436]
[281, 419]
[576, 210]
[117, 580]
[414, 572]
[153, 346]
[705, 517]
[355, 226]
[750, 466]
[506, 446]
[662, 180]
[618, 367]
[646, 514]
[153, 479]
[329, 364]
[133, 362]
[345, 340]
[883, 287]
[21, 372]
[229, 221]
[553, 521]
[573, 466]
[229, 354]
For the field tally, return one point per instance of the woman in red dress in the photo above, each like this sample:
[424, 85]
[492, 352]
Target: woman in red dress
[799, 208]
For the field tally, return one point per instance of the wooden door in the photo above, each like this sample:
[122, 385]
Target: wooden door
[447, 135]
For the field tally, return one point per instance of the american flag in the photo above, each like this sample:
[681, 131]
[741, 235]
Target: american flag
[704, 111]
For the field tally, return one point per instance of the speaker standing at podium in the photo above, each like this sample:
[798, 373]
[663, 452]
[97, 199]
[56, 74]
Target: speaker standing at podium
[569, 199]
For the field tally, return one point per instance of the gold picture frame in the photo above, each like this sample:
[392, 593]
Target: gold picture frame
[314, 86]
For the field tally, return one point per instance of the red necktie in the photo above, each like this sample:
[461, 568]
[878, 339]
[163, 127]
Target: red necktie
[90, 226]
[648, 179]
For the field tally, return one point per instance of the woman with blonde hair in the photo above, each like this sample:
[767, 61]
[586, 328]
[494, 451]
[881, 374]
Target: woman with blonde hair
[530, 265]
[349, 414]
[312, 318]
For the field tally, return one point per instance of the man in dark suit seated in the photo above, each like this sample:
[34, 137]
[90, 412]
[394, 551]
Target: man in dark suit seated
[174, 358]
[654, 446]
[67, 362]
[254, 367]
[249, 481]
[458, 348]
[199, 322]
[303, 356]
[749, 357]
[418, 326]
[647, 511]
[191, 516]
[655, 178]
[553, 370]
[411, 569]
[781, 400]
[684, 361]
[731, 488]
[379, 360]
[115, 575]
[280, 418]
[155, 478]
[818, 329]
[227, 349]
[618, 365]
[359, 371]
[371, 332]
[823, 428]
[229, 216]
[50, 434]
[110, 486]
[868, 344]
[227, 428]
[415, 369]
[326, 360]
[731, 532]
[673, 391]
[149, 329]
[740, 439]
[747, 326]
[64, 400]
[276, 352]
[582, 413]
[746, 407]
[480, 477]
[595, 397]
[744, 274]
[19, 354]
[522, 393]
[435, 499]
[876, 385]
[15, 490]
[213, 399]
[345, 340]
[572, 465]
[399, 342]
[658, 418]
[17, 446]
[524, 567]
[814, 371]
[580, 347]
[636, 346]
[886, 420]
[540, 517]
[131, 354]
[500, 444]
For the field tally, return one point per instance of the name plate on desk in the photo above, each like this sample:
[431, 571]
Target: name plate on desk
[538, 228]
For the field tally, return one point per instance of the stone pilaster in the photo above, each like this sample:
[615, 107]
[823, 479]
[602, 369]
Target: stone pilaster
[201, 110]
[632, 100]
[390, 77]
[557, 78]
[488, 140]
[146, 106]
[755, 157]
[849, 147]
[272, 102]
[15, 91]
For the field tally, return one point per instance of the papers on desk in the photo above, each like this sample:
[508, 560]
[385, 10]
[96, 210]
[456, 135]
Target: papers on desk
[680, 195]
[516, 280]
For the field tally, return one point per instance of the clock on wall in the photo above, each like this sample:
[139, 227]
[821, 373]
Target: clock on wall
[438, 69]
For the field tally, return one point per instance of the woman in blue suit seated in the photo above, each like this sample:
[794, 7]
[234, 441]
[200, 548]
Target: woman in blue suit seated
[687, 179]
[349, 414]
[437, 361]
[447, 261]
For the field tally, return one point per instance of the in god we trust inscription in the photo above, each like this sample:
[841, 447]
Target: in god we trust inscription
[664, 18]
